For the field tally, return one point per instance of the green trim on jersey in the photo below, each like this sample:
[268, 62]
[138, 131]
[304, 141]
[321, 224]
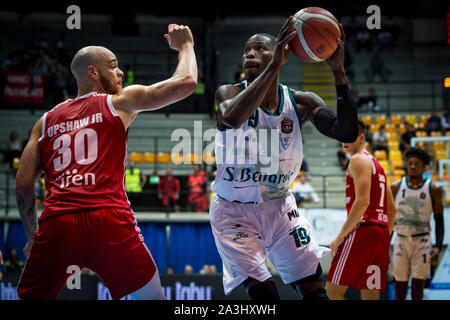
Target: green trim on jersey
[279, 110]
[407, 185]
[294, 105]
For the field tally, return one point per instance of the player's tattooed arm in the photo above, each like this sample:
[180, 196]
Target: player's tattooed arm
[27, 174]
[27, 211]
[137, 98]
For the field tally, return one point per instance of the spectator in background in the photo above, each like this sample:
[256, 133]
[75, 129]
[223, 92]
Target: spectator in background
[197, 200]
[434, 123]
[13, 148]
[304, 168]
[41, 66]
[377, 67]
[303, 191]
[58, 80]
[445, 122]
[385, 39]
[13, 265]
[370, 100]
[169, 191]
[363, 40]
[134, 183]
[205, 270]
[380, 140]
[187, 269]
[212, 269]
[170, 270]
[405, 140]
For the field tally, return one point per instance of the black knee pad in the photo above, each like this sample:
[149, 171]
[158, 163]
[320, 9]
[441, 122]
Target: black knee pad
[260, 291]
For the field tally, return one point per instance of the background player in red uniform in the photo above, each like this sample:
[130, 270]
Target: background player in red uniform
[81, 146]
[361, 250]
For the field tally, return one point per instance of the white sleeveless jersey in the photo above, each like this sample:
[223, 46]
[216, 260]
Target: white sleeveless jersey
[414, 208]
[259, 161]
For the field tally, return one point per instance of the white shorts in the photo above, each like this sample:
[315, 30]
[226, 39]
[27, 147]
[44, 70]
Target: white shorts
[411, 257]
[246, 234]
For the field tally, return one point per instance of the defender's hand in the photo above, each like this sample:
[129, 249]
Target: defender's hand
[179, 35]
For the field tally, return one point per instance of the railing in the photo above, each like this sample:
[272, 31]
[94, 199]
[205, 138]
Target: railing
[387, 98]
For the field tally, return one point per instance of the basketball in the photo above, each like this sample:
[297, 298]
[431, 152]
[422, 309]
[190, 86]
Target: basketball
[317, 34]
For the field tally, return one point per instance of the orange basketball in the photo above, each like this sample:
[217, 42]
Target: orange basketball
[317, 34]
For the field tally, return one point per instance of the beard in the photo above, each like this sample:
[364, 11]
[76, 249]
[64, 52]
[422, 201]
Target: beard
[108, 86]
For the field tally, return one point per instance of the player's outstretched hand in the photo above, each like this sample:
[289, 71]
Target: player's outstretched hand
[178, 35]
[27, 249]
[336, 61]
[286, 33]
[1, 259]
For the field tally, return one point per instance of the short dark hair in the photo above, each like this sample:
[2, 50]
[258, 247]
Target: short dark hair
[361, 127]
[419, 154]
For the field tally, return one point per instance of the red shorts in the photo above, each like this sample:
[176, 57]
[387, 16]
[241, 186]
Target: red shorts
[107, 241]
[362, 260]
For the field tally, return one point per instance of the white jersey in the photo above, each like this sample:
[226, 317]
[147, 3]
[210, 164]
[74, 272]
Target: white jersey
[414, 208]
[259, 161]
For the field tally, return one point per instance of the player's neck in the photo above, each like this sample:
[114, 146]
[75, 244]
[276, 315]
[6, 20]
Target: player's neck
[83, 90]
[362, 148]
[415, 181]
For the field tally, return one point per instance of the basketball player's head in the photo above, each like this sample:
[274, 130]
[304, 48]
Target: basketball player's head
[416, 161]
[97, 68]
[258, 52]
[360, 142]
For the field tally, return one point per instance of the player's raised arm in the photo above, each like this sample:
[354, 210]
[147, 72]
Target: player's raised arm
[27, 174]
[343, 125]
[236, 105]
[181, 84]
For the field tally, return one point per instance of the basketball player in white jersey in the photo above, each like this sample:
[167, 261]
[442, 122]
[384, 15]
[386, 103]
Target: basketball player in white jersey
[416, 199]
[253, 215]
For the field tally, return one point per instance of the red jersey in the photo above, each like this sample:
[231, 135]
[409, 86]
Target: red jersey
[83, 151]
[377, 210]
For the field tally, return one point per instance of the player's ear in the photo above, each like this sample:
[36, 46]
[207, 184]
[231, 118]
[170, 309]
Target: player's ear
[92, 72]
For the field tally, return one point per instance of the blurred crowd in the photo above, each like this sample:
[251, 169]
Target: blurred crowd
[45, 55]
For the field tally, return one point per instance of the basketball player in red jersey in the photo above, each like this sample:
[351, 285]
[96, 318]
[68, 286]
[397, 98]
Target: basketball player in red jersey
[81, 145]
[361, 250]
